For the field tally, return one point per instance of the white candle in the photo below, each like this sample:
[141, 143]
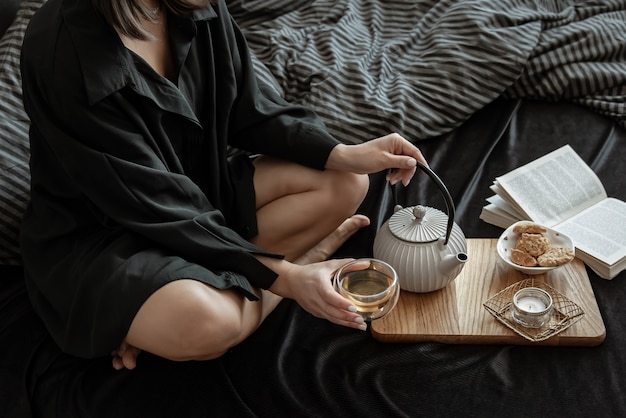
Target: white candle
[531, 304]
[532, 307]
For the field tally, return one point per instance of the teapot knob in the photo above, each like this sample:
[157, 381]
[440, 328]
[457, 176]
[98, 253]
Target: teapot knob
[419, 212]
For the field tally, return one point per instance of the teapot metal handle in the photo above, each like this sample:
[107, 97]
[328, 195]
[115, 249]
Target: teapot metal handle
[446, 195]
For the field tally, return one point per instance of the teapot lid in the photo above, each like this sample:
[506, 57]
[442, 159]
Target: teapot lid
[418, 224]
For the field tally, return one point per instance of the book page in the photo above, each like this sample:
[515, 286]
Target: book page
[496, 216]
[552, 188]
[600, 231]
[504, 206]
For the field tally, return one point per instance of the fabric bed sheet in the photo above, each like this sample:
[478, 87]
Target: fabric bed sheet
[298, 365]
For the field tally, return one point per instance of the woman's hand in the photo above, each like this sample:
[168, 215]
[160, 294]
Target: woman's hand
[310, 285]
[391, 152]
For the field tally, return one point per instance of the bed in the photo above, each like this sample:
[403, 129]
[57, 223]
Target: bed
[482, 87]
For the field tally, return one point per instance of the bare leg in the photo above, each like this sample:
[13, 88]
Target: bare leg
[298, 207]
[125, 356]
[301, 211]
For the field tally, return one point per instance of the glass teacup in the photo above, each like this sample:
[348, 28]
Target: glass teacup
[371, 284]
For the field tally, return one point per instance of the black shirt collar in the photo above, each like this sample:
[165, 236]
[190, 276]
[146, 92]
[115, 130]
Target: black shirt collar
[108, 67]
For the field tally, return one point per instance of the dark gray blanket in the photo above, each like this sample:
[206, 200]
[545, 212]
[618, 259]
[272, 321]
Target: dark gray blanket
[422, 68]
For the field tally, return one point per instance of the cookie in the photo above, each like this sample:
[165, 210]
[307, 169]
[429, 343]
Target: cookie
[533, 244]
[522, 258]
[530, 228]
[555, 256]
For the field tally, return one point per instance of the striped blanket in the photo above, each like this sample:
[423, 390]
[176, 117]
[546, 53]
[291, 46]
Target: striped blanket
[422, 68]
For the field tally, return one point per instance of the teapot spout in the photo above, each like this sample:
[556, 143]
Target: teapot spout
[449, 262]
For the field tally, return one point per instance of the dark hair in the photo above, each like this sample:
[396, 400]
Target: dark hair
[125, 15]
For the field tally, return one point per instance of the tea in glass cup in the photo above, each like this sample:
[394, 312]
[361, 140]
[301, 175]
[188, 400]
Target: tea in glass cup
[370, 284]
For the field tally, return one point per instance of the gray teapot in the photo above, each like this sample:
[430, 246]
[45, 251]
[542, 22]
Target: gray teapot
[424, 245]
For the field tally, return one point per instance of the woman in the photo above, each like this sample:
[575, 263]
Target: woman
[151, 226]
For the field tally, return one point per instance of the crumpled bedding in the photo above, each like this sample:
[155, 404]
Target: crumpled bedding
[422, 68]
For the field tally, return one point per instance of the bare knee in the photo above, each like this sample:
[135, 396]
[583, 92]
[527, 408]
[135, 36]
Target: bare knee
[350, 189]
[209, 333]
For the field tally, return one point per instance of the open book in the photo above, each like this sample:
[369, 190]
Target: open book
[560, 191]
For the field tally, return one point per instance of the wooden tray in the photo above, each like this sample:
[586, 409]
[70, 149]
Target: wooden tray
[455, 314]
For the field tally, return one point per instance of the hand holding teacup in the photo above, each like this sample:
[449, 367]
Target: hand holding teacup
[370, 284]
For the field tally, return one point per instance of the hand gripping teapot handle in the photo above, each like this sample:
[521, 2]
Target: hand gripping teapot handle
[446, 194]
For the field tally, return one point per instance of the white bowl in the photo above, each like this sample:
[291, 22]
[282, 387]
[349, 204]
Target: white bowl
[508, 239]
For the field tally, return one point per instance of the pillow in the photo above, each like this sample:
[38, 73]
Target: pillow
[14, 146]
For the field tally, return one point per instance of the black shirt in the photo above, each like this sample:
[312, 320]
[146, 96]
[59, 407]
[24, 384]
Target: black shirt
[131, 182]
